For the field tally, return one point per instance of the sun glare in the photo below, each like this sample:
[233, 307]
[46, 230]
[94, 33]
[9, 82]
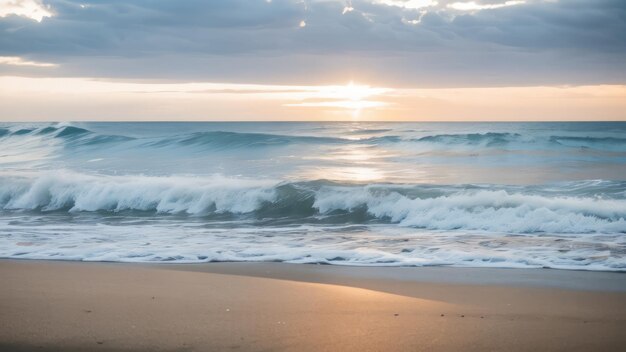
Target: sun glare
[351, 97]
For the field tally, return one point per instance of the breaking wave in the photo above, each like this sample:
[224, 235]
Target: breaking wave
[574, 208]
[400, 194]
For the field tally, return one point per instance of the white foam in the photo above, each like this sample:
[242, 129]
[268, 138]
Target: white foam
[508, 211]
[184, 241]
[463, 227]
[80, 192]
[482, 210]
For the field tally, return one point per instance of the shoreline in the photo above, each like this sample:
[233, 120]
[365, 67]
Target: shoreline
[583, 280]
[76, 306]
[568, 279]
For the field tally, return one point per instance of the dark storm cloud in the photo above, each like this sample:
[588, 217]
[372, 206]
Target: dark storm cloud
[540, 42]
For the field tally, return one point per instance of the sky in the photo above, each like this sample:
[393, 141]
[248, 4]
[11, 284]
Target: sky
[227, 60]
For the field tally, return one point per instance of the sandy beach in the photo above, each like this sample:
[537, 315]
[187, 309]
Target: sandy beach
[71, 306]
[313, 175]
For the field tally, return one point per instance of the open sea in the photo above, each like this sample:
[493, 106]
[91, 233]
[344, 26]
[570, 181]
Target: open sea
[518, 195]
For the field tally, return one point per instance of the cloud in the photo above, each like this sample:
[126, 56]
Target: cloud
[408, 43]
[31, 9]
[409, 4]
[473, 6]
[18, 61]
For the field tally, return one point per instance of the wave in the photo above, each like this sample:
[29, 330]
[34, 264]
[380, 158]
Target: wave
[183, 241]
[72, 135]
[488, 139]
[370, 131]
[469, 207]
[71, 131]
[590, 142]
[216, 140]
[516, 140]
[75, 137]
[232, 140]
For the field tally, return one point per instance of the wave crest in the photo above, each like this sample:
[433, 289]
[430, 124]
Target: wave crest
[76, 136]
[488, 139]
[514, 210]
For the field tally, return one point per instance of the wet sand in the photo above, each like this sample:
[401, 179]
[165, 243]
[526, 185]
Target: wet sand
[72, 306]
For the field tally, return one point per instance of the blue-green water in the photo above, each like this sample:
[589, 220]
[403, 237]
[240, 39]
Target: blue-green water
[463, 194]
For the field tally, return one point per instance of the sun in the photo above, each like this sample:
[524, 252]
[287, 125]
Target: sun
[353, 97]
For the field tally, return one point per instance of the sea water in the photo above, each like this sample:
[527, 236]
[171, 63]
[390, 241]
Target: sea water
[350, 193]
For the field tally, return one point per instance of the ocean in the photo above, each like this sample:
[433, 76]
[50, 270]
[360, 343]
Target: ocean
[514, 195]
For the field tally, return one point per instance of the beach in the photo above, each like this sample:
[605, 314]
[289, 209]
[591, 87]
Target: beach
[313, 175]
[78, 306]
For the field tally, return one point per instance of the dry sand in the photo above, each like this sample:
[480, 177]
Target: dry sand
[69, 306]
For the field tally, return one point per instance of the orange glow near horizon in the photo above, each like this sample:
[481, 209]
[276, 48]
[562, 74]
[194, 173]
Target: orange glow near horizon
[352, 97]
[59, 98]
